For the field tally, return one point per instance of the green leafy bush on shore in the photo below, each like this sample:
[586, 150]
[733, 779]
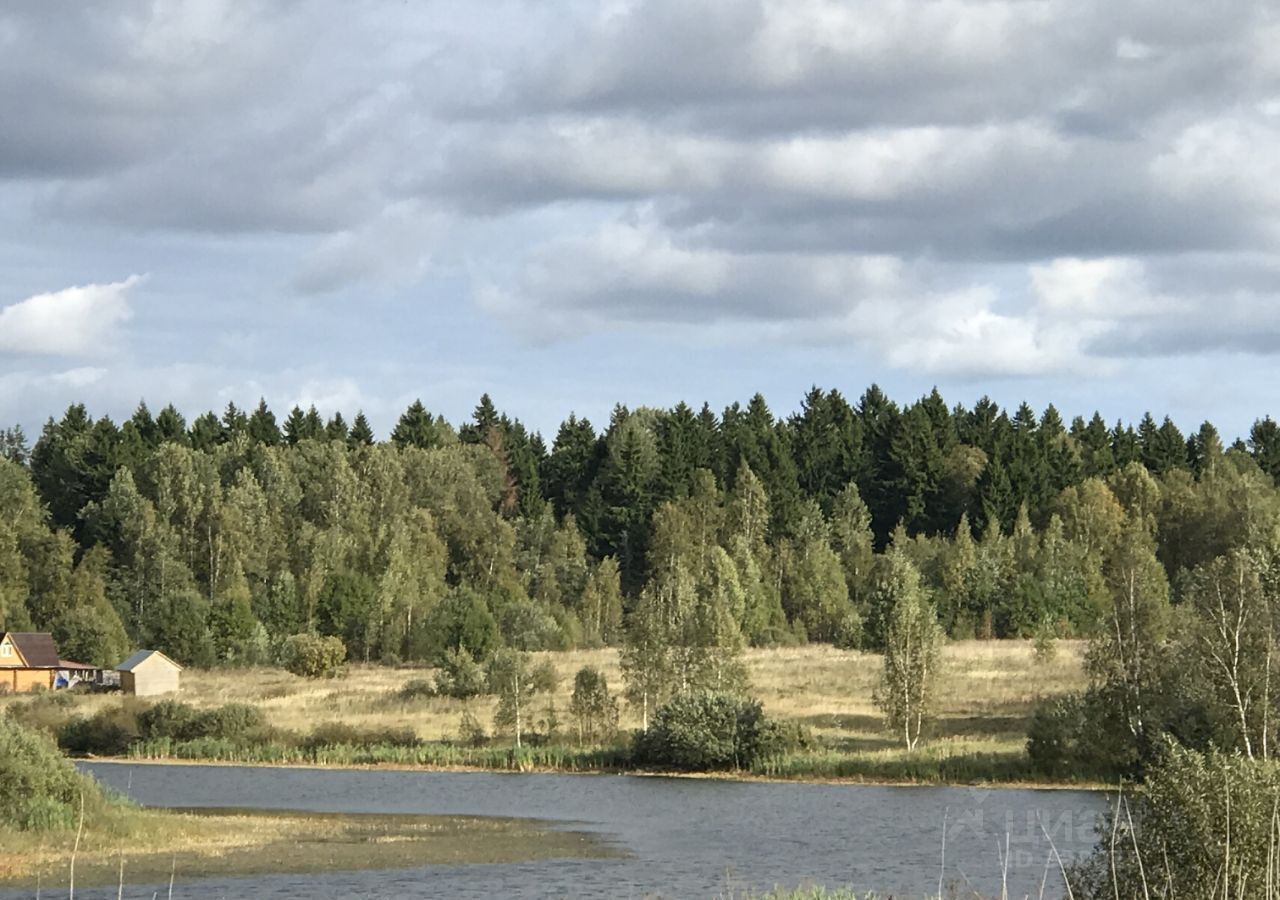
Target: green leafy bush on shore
[40, 790]
[705, 731]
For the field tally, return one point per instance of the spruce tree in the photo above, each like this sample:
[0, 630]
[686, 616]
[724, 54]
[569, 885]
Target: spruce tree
[336, 429]
[361, 434]
[262, 426]
[418, 428]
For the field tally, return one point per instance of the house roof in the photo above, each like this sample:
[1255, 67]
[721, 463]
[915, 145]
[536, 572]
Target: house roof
[36, 648]
[142, 656]
[78, 666]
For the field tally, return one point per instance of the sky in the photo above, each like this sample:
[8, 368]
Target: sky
[570, 205]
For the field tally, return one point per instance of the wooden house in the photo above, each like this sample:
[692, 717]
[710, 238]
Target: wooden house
[28, 661]
[149, 672]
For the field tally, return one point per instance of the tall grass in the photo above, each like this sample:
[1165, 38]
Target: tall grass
[437, 755]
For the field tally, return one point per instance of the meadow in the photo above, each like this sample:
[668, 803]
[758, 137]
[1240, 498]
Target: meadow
[985, 699]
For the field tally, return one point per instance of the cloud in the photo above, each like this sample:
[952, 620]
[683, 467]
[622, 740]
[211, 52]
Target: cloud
[76, 321]
[960, 187]
[394, 250]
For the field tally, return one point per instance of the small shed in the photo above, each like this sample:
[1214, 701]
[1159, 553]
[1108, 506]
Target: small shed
[147, 673]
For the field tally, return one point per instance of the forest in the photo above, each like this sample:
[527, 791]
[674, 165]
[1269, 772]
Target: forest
[217, 539]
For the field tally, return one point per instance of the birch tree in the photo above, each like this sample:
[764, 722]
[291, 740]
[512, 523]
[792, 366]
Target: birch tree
[912, 652]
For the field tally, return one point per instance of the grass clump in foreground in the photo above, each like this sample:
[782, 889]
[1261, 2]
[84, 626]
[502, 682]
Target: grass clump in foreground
[60, 824]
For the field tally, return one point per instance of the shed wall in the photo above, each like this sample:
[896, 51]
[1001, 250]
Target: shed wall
[149, 681]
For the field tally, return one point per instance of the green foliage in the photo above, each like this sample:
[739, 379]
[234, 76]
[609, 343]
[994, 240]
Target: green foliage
[1204, 825]
[312, 656]
[912, 653]
[179, 721]
[108, 732]
[460, 676]
[707, 731]
[594, 709]
[462, 621]
[40, 790]
[516, 680]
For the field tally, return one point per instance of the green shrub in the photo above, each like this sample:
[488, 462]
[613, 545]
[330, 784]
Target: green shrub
[705, 731]
[179, 721]
[312, 656]
[1201, 822]
[40, 789]
[171, 719]
[1053, 738]
[460, 676]
[109, 732]
[232, 721]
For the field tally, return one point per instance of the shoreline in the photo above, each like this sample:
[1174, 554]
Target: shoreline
[740, 777]
[196, 843]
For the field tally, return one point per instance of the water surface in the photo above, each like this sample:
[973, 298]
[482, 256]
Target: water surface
[682, 837]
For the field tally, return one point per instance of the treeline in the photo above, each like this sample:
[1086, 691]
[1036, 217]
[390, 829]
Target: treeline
[215, 540]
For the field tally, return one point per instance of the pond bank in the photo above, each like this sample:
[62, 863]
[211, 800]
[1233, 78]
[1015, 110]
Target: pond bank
[1031, 784]
[191, 844]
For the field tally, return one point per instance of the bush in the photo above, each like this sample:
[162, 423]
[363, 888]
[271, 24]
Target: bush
[108, 732]
[235, 722]
[705, 731]
[1054, 736]
[40, 789]
[1079, 736]
[168, 719]
[460, 676]
[312, 656]
[527, 626]
[462, 621]
[1201, 822]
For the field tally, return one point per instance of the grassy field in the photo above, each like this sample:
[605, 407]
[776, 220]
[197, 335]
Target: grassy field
[986, 696]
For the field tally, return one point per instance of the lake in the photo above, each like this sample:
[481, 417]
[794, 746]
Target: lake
[681, 837]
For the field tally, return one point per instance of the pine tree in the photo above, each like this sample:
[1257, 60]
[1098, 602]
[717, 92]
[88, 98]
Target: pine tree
[418, 428]
[361, 434]
[1264, 445]
[567, 473]
[13, 445]
[312, 425]
[262, 426]
[1204, 450]
[483, 420]
[206, 432]
[336, 429]
[295, 426]
[171, 428]
[234, 423]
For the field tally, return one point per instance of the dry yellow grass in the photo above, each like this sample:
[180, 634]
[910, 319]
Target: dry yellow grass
[154, 844]
[987, 693]
[988, 690]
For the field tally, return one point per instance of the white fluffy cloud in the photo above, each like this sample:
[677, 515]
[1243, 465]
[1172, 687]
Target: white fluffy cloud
[75, 321]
